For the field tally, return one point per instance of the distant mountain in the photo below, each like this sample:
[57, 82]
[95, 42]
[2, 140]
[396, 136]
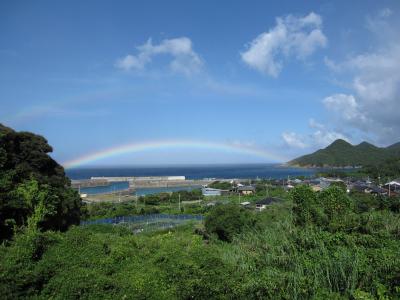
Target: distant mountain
[341, 154]
[394, 149]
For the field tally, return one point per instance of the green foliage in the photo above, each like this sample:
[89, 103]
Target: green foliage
[275, 258]
[339, 184]
[163, 198]
[326, 245]
[333, 173]
[305, 209]
[29, 177]
[108, 210]
[341, 154]
[104, 262]
[335, 203]
[226, 221]
[386, 170]
[220, 185]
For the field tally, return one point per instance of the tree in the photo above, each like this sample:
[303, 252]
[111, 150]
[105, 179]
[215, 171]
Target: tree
[228, 220]
[335, 202]
[30, 177]
[337, 207]
[305, 206]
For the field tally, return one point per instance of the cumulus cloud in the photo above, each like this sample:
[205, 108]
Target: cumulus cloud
[347, 106]
[292, 36]
[294, 140]
[372, 105]
[319, 138]
[369, 107]
[386, 12]
[315, 125]
[184, 59]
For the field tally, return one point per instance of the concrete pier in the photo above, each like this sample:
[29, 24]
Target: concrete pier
[141, 182]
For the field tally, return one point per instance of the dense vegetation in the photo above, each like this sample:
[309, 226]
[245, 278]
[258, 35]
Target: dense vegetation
[149, 204]
[312, 245]
[33, 185]
[326, 245]
[223, 185]
[226, 221]
[341, 154]
[384, 171]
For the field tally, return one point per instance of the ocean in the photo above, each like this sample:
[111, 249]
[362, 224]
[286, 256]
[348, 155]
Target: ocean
[247, 171]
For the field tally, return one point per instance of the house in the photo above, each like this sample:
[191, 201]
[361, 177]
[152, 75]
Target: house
[359, 187]
[245, 204]
[326, 182]
[262, 204]
[393, 185]
[316, 188]
[246, 190]
[206, 191]
[296, 181]
[375, 190]
[288, 187]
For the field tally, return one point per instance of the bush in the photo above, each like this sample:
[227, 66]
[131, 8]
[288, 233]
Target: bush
[304, 205]
[228, 220]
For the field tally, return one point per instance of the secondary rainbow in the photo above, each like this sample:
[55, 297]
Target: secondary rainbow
[168, 144]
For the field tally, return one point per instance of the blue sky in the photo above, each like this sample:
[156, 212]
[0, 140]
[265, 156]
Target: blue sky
[287, 77]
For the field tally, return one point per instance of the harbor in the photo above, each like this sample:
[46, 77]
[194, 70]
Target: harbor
[117, 189]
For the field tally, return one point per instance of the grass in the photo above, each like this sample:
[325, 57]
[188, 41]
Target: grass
[275, 259]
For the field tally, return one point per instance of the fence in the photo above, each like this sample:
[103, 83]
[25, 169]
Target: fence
[154, 220]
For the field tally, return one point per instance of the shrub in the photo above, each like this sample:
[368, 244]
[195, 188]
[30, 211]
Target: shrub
[228, 220]
[305, 208]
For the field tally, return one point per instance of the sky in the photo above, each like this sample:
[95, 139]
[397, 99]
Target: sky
[196, 82]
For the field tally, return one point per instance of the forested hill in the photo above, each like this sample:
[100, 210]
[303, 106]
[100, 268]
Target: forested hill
[341, 153]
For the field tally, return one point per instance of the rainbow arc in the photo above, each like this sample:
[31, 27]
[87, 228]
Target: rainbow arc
[171, 144]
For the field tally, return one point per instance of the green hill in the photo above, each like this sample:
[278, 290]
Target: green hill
[341, 154]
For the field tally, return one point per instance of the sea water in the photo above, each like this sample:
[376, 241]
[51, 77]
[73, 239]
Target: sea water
[248, 171]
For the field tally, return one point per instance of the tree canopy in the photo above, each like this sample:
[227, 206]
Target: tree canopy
[30, 177]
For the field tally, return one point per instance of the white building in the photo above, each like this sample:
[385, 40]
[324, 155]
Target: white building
[206, 191]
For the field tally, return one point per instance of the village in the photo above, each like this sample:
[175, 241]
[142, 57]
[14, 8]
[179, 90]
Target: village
[241, 189]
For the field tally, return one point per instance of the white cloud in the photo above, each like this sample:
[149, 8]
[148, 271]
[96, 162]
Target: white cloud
[315, 125]
[386, 12]
[291, 36]
[346, 105]
[320, 138]
[131, 62]
[324, 137]
[184, 59]
[294, 140]
[371, 107]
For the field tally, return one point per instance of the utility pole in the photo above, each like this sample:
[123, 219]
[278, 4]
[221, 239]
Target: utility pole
[266, 190]
[179, 201]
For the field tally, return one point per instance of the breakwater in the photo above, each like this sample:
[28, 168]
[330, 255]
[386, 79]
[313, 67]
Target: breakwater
[141, 182]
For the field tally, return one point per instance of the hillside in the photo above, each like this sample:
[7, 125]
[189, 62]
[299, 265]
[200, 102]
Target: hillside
[341, 154]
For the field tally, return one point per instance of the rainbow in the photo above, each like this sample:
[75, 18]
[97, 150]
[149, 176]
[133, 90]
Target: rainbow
[169, 144]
